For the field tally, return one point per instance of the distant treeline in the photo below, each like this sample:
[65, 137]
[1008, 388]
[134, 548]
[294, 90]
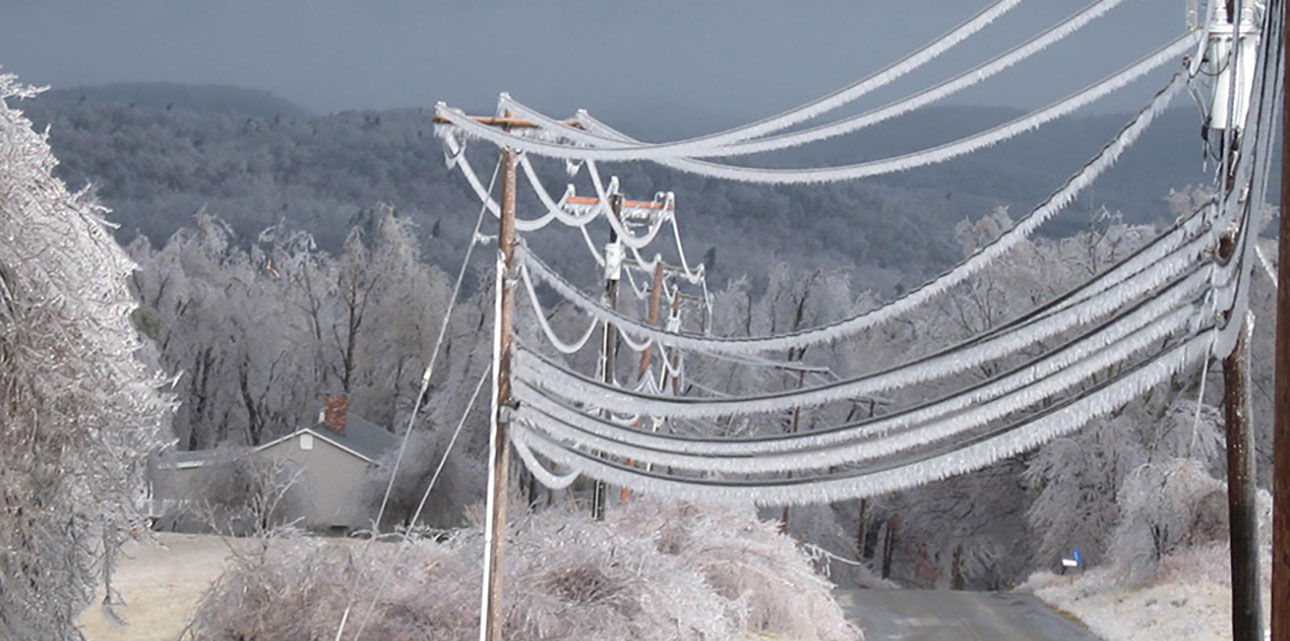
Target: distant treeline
[157, 154]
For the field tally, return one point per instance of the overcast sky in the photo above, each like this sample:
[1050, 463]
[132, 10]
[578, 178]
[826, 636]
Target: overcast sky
[726, 59]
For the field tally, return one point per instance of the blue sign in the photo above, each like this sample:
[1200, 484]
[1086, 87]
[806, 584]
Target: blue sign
[1077, 557]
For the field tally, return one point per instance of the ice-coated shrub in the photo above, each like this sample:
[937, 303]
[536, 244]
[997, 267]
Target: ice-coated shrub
[1165, 507]
[650, 571]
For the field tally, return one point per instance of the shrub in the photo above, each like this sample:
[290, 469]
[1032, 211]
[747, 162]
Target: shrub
[650, 571]
[1165, 507]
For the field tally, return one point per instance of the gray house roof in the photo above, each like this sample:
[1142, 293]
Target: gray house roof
[362, 438]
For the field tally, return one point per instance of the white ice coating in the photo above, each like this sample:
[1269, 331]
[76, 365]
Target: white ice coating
[544, 476]
[950, 361]
[639, 292]
[600, 136]
[933, 155]
[849, 93]
[534, 372]
[904, 162]
[974, 417]
[602, 196]
[759, 361]
[1264, 121]
[803, 490]
[554, 212]
[980, 259]
[551, 337]
[591, 245]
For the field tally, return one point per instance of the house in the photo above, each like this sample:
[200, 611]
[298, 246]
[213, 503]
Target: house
[333, 457]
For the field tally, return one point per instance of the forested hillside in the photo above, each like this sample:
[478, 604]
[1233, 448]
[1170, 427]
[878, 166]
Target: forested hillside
[159, 153]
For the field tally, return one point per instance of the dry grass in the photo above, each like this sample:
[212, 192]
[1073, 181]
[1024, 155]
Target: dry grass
[160, 584]
[1191, 599]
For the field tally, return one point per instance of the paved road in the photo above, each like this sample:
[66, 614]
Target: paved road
[944, 615]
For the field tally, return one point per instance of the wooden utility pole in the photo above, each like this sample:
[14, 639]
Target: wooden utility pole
[655, 296]
[1242, 521]
[1281, 426]
[499, 458]
[792, 429]
[613, 272]
[651, 317]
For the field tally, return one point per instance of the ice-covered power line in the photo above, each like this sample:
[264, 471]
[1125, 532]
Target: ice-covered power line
[942, 153]
[855, 90]
[560, 423]
[1164, 282]
[536, 371]
[600, 135]
[888, 474]
[1131, 333]
[580, 215]
[980, 259]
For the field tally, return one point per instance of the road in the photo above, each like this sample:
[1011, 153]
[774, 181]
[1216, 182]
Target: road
[944, 615]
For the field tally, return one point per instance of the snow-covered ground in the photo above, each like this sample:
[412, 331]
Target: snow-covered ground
[1190, 599]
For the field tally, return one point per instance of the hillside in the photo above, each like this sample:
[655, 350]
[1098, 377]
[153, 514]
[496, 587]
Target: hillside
[159, 153]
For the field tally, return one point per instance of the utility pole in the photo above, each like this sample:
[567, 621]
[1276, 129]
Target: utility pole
[1281, 426]
[792, 429]
[1242, 521]
[499, 458]
[1243, 525]
[1230, 40]
[655, 296]
[613, 272]
[490, 623]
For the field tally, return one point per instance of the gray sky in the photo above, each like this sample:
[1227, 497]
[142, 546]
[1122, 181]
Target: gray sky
[727, 59]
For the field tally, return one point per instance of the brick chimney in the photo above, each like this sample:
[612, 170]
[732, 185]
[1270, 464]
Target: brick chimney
[335, 409]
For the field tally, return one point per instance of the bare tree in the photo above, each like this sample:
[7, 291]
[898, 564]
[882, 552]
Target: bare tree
[242, 492]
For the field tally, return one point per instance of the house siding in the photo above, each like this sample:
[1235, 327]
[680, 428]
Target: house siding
[332, 478]
[331, 481]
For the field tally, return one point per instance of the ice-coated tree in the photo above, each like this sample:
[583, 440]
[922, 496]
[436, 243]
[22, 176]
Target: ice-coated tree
[226, 323]
[80, 413]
